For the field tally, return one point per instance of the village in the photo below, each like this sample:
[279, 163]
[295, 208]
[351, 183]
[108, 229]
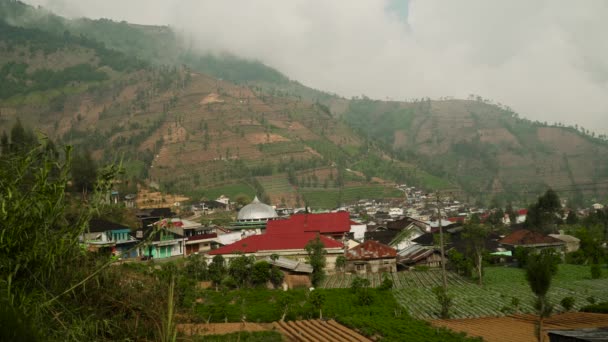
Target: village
[399, 235]
[404, 243]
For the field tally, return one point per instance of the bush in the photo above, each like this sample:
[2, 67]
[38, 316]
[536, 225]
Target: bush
[444, 300]
[387, 283]
[597, 308]
[568, 303]
[596, 271]
[591, 300]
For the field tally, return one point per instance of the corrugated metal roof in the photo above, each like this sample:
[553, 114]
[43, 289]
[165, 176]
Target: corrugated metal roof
[290, 264]
[324, 223]
[369, 250]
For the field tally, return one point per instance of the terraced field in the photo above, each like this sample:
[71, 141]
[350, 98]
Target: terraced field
[505, 291]
[318, 331]
[278, 188]
[331, 197]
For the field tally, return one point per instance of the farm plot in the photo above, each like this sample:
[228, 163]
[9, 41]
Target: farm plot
[318, 330]
[400, 280]
[505, 292]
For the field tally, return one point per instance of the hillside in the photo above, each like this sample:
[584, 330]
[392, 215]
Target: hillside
[487, 148]
[211, 124]
[186, 131]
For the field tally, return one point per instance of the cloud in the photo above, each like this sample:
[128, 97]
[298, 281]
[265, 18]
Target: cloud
[548, 59]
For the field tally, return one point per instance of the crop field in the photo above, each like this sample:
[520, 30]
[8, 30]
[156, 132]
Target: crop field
[505, 291]
[278, 188]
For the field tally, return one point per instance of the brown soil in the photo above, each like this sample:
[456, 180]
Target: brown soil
[211, 98]
[263, 138]
[154, 199]
[521, 327]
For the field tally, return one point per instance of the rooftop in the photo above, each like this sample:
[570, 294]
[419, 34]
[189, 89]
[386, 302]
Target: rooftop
[524, 237]
[370, 250]
[274, 242]
[324, 223]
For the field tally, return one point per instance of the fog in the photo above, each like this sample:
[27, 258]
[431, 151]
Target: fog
[547, 59]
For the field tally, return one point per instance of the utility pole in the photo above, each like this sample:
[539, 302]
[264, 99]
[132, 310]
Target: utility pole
[443, 274]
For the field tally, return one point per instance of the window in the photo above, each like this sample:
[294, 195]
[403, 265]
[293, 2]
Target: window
[360, 267]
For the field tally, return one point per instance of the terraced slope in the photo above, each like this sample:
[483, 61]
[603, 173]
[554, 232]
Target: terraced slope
[318, 331]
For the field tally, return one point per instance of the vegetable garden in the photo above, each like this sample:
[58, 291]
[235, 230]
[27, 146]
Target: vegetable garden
[505, 291]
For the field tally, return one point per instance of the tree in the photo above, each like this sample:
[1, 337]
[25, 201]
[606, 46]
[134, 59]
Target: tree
[475, 236]
[316, 258]
[317, 299]
[445, 301]
[276, 277]
[539, 273]
[340, 263]
[260, 273]
[84, 172]
[543, 215]
[217, 270]
[572, 219]
[240, 269]
[42, 267]
[197, 267]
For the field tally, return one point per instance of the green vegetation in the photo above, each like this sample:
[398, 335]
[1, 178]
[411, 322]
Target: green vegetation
[413, 290]
[597, 308]
[386, 320]
[243, 336]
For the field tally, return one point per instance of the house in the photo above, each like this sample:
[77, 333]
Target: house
[160, 242]
[572, 243]
[529, 239]
[297, 273]
[286, 244]
[522, 214]
[371, 257]
[408, 222]
[115, 238]
[198, 238]
[358, 230]
[417, 255]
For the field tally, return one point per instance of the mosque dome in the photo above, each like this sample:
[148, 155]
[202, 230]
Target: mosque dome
[256, 210]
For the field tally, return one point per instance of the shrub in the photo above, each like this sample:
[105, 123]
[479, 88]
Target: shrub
[358, 283]
[596, 271]
[387, 283]
[421, 268]
[568, 303]
[444, 300]
[597, 308]
[591, 300]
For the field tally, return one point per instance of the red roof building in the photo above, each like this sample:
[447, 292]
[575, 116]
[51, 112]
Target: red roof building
[275, 243]
[370, 250]
[526, 238]
[329, 224]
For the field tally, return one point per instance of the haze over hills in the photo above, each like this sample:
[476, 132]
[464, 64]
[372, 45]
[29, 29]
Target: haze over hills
[212, 124]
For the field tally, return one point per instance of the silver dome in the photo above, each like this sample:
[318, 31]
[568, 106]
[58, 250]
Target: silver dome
[256, 210]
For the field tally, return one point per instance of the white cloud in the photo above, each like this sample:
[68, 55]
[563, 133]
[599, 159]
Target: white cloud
[548, 59]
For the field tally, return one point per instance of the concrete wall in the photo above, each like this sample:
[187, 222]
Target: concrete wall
[371, 266]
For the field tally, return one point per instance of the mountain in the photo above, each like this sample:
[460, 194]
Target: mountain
[184, 130]
[487, 148]
[205, 124]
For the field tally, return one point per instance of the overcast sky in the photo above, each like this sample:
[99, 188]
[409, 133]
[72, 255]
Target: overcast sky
[547, 59]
